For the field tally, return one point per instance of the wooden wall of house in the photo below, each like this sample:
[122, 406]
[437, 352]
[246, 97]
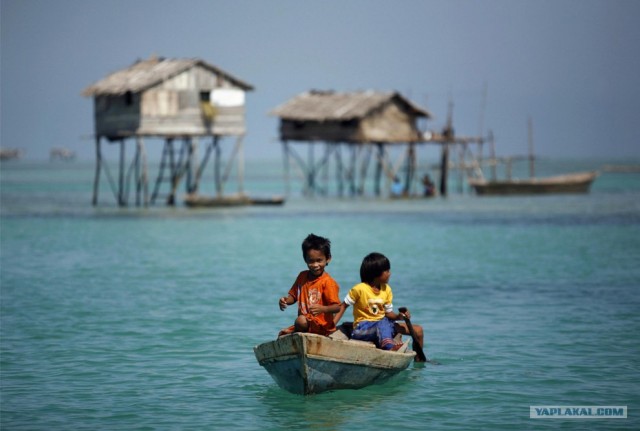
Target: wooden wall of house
[173, 107]
[329, 131]
[391, 124]
[116, 115]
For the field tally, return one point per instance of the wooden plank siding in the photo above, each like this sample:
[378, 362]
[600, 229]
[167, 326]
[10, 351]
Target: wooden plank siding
[173, 107]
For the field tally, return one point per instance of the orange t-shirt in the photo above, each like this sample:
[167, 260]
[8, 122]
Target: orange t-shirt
[324, 291]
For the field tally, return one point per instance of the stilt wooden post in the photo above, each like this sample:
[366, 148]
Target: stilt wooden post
[339, 172]
[532, 169]
[188, 184]
[444, 167]
[462, 151]
[137, 182]
[241, 164]
[121, 199]
[193, 182]
[492, 148]
[205, 159]
[141, 177]
[324, 169]
[287, 168]
[175, 175]
[310, 174]
[145, 175]
[378, 173]
[411, 168]
[96, 180]
[216, 169]
[353, 166]
[363, 168]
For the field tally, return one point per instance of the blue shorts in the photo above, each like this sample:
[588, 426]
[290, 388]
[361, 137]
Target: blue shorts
[380, 332]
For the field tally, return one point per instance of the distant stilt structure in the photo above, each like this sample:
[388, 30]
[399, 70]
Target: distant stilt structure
[360, 124]
[173, 100]
[366, 126]
[63, 154]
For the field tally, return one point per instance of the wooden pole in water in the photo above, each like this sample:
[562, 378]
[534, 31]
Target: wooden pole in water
[189, 183]
[145, 176]
[137, 173]
[411, 168]
[378, 174]
[171, 199]
[216, 169]
[96, 181]
[121, 173]
[311, 170]
[353, 169]
[461, 167]
[324, 170]
[444, 167]
[241, 164]
[287, 168]
[339, 171]
[532, 169]
[364, 167]
[448, 134]
[492, 145]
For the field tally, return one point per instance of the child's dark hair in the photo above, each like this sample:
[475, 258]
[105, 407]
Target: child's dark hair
[315, 242]
[373, 265]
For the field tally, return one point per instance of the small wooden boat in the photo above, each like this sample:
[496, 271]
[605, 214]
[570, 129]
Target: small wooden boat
[199, 201]
[272, 200]
[569, 183]
[194, 200]
[579, 182]
[304, 363]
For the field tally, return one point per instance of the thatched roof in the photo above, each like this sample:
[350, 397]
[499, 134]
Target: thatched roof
[332, 106]
[144, 74]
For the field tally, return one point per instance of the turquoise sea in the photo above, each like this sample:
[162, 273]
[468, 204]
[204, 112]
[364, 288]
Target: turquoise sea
[145, 319]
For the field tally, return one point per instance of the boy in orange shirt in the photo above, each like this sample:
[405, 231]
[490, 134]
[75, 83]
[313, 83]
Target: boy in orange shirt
[315, 291]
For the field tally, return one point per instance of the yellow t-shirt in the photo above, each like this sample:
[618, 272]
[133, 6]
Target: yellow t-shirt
[367, 304]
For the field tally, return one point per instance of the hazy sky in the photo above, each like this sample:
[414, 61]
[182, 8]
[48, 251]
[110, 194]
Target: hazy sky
[573, 66]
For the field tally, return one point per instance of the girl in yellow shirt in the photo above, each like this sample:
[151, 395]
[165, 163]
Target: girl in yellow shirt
[372, 300]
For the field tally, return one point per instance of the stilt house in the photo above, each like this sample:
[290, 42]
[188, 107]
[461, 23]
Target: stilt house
[172, 99]
[360, 117]
[360, 122]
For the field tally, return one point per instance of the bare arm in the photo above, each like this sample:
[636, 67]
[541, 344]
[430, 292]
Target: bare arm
[398, 316]
[339, 313]
[285, 301]
[316, 309]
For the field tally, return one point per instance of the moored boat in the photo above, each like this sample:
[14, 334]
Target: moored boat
[569, 183]
[304, 363]
[199, 201]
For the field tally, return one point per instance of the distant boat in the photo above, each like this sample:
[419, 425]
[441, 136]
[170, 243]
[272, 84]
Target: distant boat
[570, 183]
[304, 363]
[199, 201]
[9, 153]
[579, 182]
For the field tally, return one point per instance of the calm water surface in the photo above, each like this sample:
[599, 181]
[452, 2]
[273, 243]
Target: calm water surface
[135, 319]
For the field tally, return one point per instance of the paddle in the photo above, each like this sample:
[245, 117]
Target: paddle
[416, 345]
